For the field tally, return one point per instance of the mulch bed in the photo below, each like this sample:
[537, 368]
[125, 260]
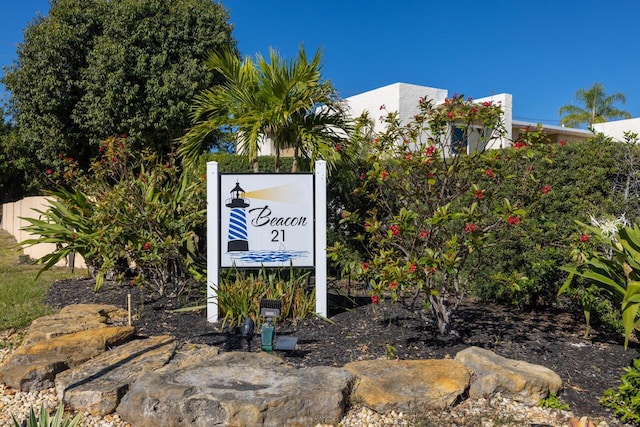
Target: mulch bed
[360, 331]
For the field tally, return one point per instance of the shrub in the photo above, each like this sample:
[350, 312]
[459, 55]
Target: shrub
[580, 183]
[613, 266]
[133, 216]
[625, 401]
[240, 292]
[432, 207]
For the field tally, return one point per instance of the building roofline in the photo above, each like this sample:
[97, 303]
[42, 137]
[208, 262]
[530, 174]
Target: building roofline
[559, 129]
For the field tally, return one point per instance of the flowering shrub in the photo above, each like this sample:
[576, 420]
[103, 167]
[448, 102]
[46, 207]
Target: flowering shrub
[428, 207]
[141, 223]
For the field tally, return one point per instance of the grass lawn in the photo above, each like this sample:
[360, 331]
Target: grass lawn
[21, 295]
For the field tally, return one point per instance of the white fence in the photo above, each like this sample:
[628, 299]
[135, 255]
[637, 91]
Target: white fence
[12, 222]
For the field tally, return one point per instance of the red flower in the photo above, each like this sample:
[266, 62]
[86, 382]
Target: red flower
[513, 220]
[518, 145]
[395, 230]
[73, 235]
[412, 268]
[479, 194]
[393, 285]
[584, 237]
[545, 189]
[147, 246]
[450, 114]
[487, 103]
[363, 175]
[562, 142]
[431, 269]
[430, 151]
[49, 171]
[490, 173]
[365, 266]
[407, 156]
[470, 228]
[382, 107]
[375, 299]
[337, 147]
[423, 234]
[384, 175]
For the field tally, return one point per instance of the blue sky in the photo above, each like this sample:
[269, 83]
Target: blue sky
[540, 51]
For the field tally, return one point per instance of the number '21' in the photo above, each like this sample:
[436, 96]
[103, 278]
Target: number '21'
[277, 235]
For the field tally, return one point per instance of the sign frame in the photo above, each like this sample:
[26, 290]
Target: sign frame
[314, 226]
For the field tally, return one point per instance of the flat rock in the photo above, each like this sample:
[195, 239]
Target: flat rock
[73, 318]
[408, 385]
[34, 366]
[236, 389]
[98, 385]
[496, 375]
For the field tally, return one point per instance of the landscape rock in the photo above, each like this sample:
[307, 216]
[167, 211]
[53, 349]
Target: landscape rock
[34, 366]
[98, 385]
[236, 389]
[408, 385]
[521, 381]
[73, 318]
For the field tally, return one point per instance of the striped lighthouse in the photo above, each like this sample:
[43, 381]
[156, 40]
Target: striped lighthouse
[237, 236]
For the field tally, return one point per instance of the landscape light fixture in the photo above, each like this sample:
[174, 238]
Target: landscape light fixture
[270, 310]
[247, 332]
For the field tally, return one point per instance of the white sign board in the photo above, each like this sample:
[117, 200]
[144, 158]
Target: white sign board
[266, 220]
[270, 220]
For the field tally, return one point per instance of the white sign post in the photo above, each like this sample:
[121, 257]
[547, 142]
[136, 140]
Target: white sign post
[259, 220]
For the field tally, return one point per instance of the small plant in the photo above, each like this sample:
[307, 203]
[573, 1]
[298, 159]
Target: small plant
[44, 419]
[615, 270]
[625, 401]
[553, 402]
[239, 294]
[390, 352]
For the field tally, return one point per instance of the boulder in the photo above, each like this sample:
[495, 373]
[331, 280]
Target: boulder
[408, 385]
[236, 389]
[517, 380]
[33, 367]
[73, 318]
[98, 385]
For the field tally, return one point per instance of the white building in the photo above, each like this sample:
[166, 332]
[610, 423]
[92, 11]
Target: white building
[403, 98]
[616, 129]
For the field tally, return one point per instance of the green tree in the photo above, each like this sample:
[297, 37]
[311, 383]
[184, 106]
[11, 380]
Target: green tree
[276, 101]
[599, 107]
[94, 68]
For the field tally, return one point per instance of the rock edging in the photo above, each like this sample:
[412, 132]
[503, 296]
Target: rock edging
[197, 386]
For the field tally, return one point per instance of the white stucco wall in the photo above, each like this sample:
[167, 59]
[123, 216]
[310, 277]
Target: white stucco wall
[506, 101]
[400, 97]
[617, 128]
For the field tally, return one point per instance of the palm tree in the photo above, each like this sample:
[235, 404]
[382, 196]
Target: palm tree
[282, 102]
[599, 107]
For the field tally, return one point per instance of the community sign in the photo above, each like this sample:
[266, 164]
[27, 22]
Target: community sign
[266, 220]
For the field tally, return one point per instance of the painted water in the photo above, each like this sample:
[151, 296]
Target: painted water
[264, 256]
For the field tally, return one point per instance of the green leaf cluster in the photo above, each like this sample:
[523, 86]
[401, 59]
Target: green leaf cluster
[427, 208]
[240, 292]
[134, 218]
[625, 400]
[616, 272]
[44, 420]
[93, 68]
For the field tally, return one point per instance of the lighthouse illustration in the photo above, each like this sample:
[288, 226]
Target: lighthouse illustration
[238, 239]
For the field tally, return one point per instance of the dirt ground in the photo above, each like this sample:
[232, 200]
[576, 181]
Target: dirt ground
[358, 331]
